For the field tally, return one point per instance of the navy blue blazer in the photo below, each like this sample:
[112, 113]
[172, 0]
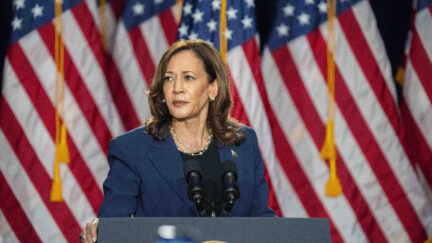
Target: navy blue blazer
[146, 178]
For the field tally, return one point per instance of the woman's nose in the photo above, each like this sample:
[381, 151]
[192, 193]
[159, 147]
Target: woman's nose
[178, 86]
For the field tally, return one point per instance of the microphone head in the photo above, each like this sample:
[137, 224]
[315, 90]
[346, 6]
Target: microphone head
[229, 166]
[191, 166]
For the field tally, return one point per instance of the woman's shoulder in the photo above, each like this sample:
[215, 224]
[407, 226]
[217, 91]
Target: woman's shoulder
[136, 135]
[250, 134]
[248, 130]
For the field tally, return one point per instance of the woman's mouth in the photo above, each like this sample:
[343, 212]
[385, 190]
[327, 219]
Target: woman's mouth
[179, 103]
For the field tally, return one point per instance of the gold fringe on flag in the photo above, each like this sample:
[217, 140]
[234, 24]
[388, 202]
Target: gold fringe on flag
[179, 6]
[328, 151]
[400, 75]
[62, 150]
[222, 31]
[103, 23]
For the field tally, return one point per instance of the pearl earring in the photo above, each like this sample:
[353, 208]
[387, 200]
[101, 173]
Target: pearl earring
[163, 100]
[212, 98]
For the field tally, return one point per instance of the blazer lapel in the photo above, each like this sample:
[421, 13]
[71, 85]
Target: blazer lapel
[167, 160]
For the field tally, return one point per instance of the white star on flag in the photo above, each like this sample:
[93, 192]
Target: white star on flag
[158, 1]
[250, 3]
[247, 22]
[307, 2]
[187, 9]
[19, 4]
[193, 36]
[16, 23]
[212, 25]
[37, 10]
[322, 6]
[183, 29]
[228, 34]
[138, 9]
[232, 13]
[303, 18]
[288, 10]
[282, 30]
[197, 16]
[216, 5]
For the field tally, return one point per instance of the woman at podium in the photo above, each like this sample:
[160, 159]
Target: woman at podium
[188, 139]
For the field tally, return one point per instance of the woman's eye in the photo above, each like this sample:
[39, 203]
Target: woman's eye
[187, 77]
[168, 78]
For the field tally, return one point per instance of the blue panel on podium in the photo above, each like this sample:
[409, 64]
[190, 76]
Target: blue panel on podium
[220, 229]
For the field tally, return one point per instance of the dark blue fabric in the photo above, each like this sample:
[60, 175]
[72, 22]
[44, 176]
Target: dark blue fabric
[146, 178]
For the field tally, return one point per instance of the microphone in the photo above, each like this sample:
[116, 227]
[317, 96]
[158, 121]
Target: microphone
[196, 193]
[230, 191]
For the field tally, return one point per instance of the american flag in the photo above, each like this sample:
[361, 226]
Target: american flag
[200, 19]
[416, 104]
[104, 97]
[286, 104]
[382, 199]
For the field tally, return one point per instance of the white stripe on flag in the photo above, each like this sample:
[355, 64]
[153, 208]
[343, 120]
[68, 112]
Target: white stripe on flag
[251, 99]
[308, 156]
[366, 20]
[154, 36]
[287, 197]
[44, 146]
[423, 23]
[91, 73]
[30, 201]
[78, 128]
[352, 154]
[175, 11]
[418, 102]
[380, 127]
[132, 77]
[111, 27]
[6, 232]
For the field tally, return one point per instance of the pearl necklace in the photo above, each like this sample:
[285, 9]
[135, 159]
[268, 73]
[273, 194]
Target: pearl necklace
[185, 148]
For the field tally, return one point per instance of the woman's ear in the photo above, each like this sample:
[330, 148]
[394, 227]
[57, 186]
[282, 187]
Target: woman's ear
[214, 88]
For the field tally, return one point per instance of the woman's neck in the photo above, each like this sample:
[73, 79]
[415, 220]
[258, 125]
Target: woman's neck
[193, 132]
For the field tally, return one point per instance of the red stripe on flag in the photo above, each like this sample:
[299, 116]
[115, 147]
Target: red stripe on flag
[419, 152]
[169, 26]
[142, 54]
[364, 137]
[78, 89]
[118, 91]
[369, 65]
[238, 111]
[37, 173]
[317, 131]
[251, 52]
[289, 163]
[14, 213]
[46, 112]
[421, 63]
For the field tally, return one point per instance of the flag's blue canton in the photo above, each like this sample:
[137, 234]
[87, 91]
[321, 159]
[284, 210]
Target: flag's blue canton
[200, 19]
[295, 18]
[421, 4]
[32, 14]
[138, 11]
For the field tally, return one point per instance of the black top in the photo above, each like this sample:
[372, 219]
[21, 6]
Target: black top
[211, 174]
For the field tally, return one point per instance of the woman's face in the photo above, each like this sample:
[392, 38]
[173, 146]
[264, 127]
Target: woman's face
[186, 87]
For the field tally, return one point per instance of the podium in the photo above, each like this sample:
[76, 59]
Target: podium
[227, 229]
